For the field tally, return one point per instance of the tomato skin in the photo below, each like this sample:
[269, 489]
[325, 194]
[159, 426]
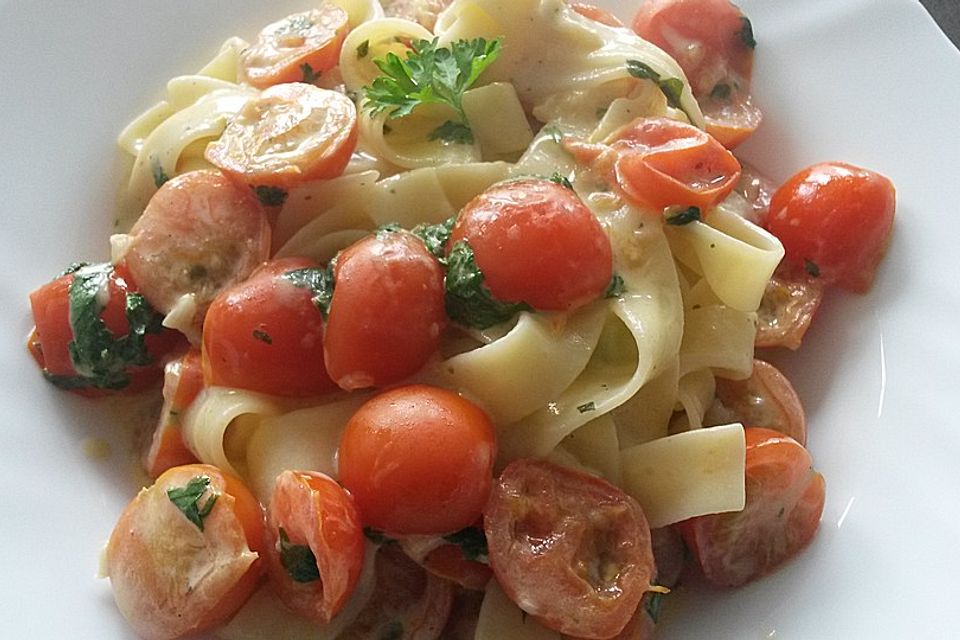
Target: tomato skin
[155, 555]
[785, 497]
[387, 311]
[837, 217]
[314, 510]
[789, 303]
[598, 14]
[418, 460]
[765, 399]
[290, 133]
[536, 242]
[283, 48]
[265, 334]
[182, 382]
[549, 529]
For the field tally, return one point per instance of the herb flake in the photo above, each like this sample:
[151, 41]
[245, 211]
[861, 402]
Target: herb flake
[811, 268]
[270, 196]
[318, 280]
[455, 132]
[472, 542]
[684, 216]
[262, 336]
[436, 236]
[159, 175]
[587, 407]
[616, 288]
[187, 499]
[672, 88]
[363, 49]
[468, 301]
[746, 33]
[561, 180]
[297, 559]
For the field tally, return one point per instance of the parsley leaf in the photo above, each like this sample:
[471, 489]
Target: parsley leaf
[298, 560]
[616, 288]
[187, 499]
[467, 300]
[318, 280]
[159, 175]
[436, 236]
[554, 132]
[270, 196]
[262, 336]
[684, 216]
[363, 49]
[309, 75]
[561, 180]
[746, 33]
[431, 75]
[672, 88]
[587, 406]
[812, 268]
[654, 602]
[471, 541]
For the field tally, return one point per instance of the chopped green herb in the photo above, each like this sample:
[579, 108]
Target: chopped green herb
[654, 602]
[270, 196]
[812, 268]
[684, 216]
[363, 49]
[262, 336]
[471, 541]
[561, 180]
[387, 227]
[309, 75]
[73, 268]
[554, 132]
[721, 91]
[159, 175]
[297, 559]
[672, 88]
[746, 33]
[616, 288]
[376, 536]
[431, 75]
[468, 301]
[436, 236]
[318, 280]
[587, 406]
[187, 499]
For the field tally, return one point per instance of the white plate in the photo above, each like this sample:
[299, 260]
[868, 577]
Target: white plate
[871, 82]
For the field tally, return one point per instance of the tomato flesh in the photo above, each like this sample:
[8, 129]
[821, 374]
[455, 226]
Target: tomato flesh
[418, 460]
[183, 381]
[536, 242]
[569, 549]
[834, 220]
[789, 303]
[765, 399]
[785, 497]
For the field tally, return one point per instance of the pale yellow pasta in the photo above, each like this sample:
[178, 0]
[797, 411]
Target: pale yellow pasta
[501, 618]
[596, 446]
[497, 120]
[378, 37]
[718, 337]
[695, 394]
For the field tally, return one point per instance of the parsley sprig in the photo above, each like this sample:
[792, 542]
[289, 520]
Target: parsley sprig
[187, 499]
[431, 75]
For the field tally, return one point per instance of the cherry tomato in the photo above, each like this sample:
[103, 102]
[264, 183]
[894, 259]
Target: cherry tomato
[785, 497]
[109, 365]
[713, 43]
[661, 163]
[834, 221]
[786, 310]
[765, 399]
[536, 242]
[595, 13]
[199, 234]
[459, 563]
[387, 311]
[173, 577]
[298, 48]
[569, 549]
[408, 603]
[182, 382]
[266, 334]
[315, 544]
[291, 133]
[418, 460]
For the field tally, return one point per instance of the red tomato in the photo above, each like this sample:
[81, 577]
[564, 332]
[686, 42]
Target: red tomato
[834, 221]
[49, 343]
[315, 563]
[290, 133]
[713, 43]
[785, 497]
[786, 310]
[266, 334]
[182, 382]
[170, 576]
[298, 48]
[450, 561]
[408, 603]
[765, 399]
[199, 234]
[595, 13]
[536, 242]
[418, 460]
[569, 549]
[661, 163]
[387, 311]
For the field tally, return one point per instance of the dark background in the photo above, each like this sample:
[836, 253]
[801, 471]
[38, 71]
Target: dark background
[947, 15]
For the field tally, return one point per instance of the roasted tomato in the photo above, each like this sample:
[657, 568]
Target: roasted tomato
[765, 399]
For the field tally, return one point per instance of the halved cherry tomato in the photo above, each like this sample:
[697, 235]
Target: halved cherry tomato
[315, 544]
[185, 554]
[536, 242]
[182, 382]
[418, 460]
[713, 43]
[199, 234]
[108, 366]
[661, 163]
[785, 497]
[834, 220]
[595, 13]
[291, 133]
[765, 399]
[387, 311]
[458, 563]
[266, 334]
[408, 603]
[787, 308]
[298, 48]
[569, 549]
